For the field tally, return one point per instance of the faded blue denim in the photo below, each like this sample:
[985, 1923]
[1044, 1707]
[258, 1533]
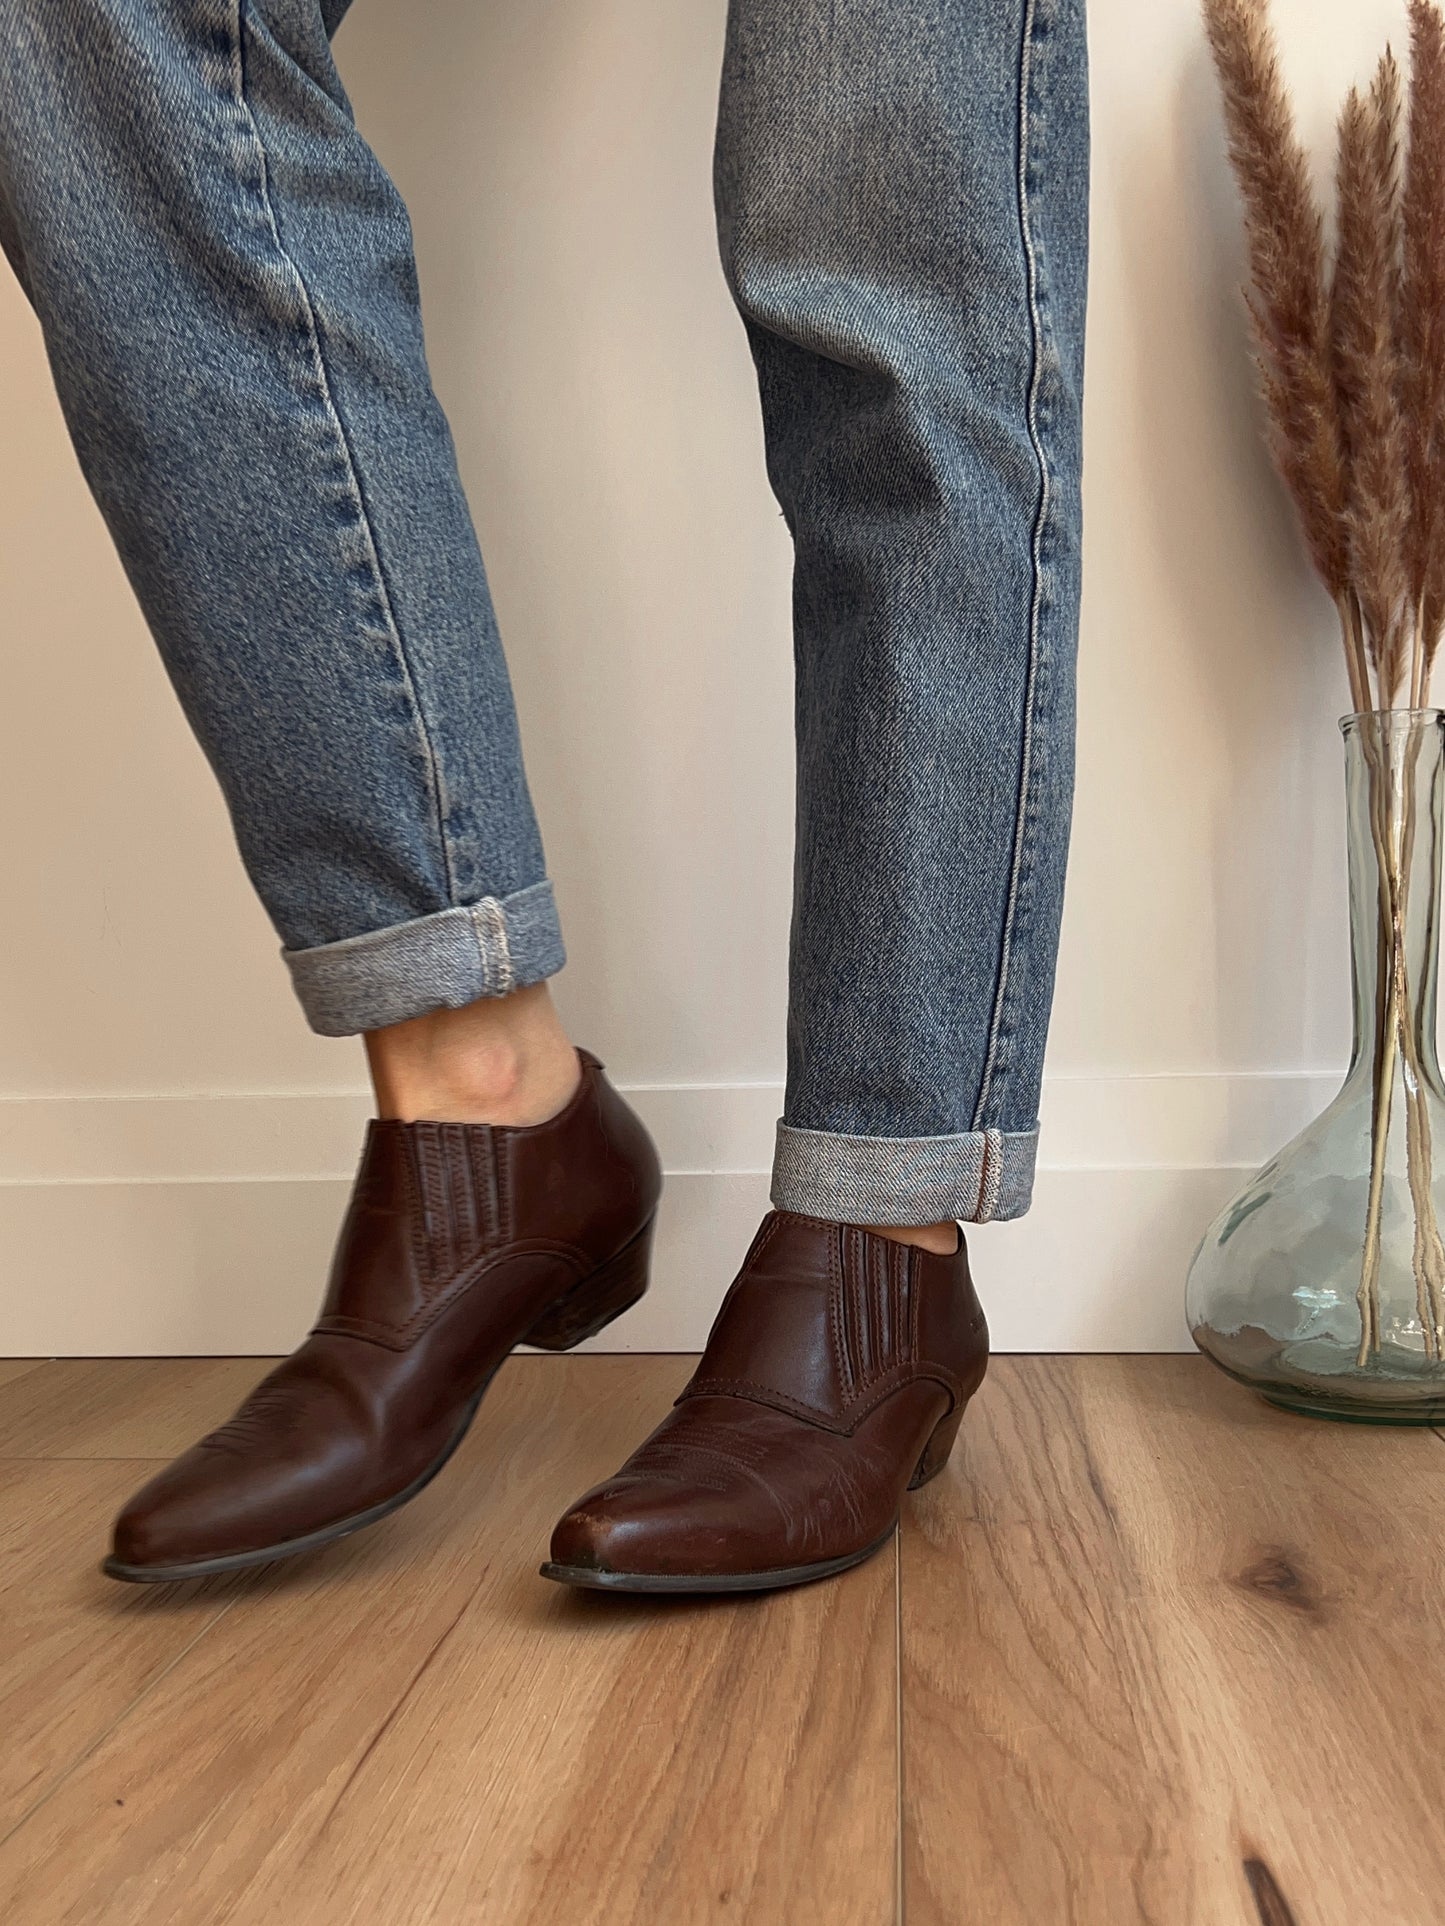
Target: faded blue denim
[225, 279]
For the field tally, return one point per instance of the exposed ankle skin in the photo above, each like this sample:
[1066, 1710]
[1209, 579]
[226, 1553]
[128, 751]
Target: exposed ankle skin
[501, 1060]
[941, 1239]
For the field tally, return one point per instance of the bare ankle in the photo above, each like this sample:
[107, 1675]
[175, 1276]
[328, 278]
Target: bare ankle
[501, 1060]
[941, 1239]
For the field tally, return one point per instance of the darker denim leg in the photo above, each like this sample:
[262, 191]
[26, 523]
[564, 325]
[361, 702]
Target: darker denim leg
[225, 280]
[902, 199]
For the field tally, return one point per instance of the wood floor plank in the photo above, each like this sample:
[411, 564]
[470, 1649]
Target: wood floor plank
[75, 1650]
[416, 1727]
[120, 1407]
[11, 1368]
[1171, 1656]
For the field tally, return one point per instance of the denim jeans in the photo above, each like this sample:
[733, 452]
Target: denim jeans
[225, 280]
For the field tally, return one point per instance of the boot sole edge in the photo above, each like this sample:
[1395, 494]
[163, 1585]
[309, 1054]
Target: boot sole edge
[780, 1578]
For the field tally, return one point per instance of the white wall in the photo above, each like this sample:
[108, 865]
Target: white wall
[173, 1142]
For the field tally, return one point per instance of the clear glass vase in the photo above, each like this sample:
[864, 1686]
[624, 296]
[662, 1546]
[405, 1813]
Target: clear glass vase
[1323, 1283]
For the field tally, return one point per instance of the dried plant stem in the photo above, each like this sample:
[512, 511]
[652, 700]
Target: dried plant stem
[1357, 663]
[1427, 1254]
[1393, 830]
[1368, 1295]
[1429, 1250]
[1419, 1253]
[1387, 1024]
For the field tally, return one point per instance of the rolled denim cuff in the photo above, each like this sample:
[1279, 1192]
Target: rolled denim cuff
[438, 962]
[977, 1177]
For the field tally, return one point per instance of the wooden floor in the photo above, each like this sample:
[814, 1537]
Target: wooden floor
[1147, 1652]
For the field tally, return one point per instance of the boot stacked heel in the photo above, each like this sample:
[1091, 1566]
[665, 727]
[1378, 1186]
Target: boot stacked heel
[936, 1451]
[591, 1305]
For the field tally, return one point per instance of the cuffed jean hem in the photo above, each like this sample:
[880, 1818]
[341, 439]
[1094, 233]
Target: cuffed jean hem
[977, 1177]
[438, 962]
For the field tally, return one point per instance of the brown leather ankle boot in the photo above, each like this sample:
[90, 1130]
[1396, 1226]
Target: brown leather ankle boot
[462, 1240]
[835, 1379]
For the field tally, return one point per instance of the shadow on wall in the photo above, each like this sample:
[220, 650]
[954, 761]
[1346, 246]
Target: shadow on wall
[557, 162]
[1260, 663]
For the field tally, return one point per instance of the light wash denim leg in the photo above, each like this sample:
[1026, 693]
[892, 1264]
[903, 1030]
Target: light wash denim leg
[903, 202]
[225, 279]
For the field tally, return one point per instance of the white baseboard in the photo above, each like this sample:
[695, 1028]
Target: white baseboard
[175, 1226]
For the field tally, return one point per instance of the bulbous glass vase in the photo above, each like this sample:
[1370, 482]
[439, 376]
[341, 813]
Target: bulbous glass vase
[1323, 1284]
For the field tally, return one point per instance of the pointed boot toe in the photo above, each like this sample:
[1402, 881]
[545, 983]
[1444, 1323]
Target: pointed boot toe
[599, 1535]
[160, 1526]
[834, 1381]
[635, 1526]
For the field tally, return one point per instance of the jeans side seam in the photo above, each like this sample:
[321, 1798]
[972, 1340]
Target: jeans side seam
[323, 378]
[991, 1178]
[489, 926]
[1036, 555]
